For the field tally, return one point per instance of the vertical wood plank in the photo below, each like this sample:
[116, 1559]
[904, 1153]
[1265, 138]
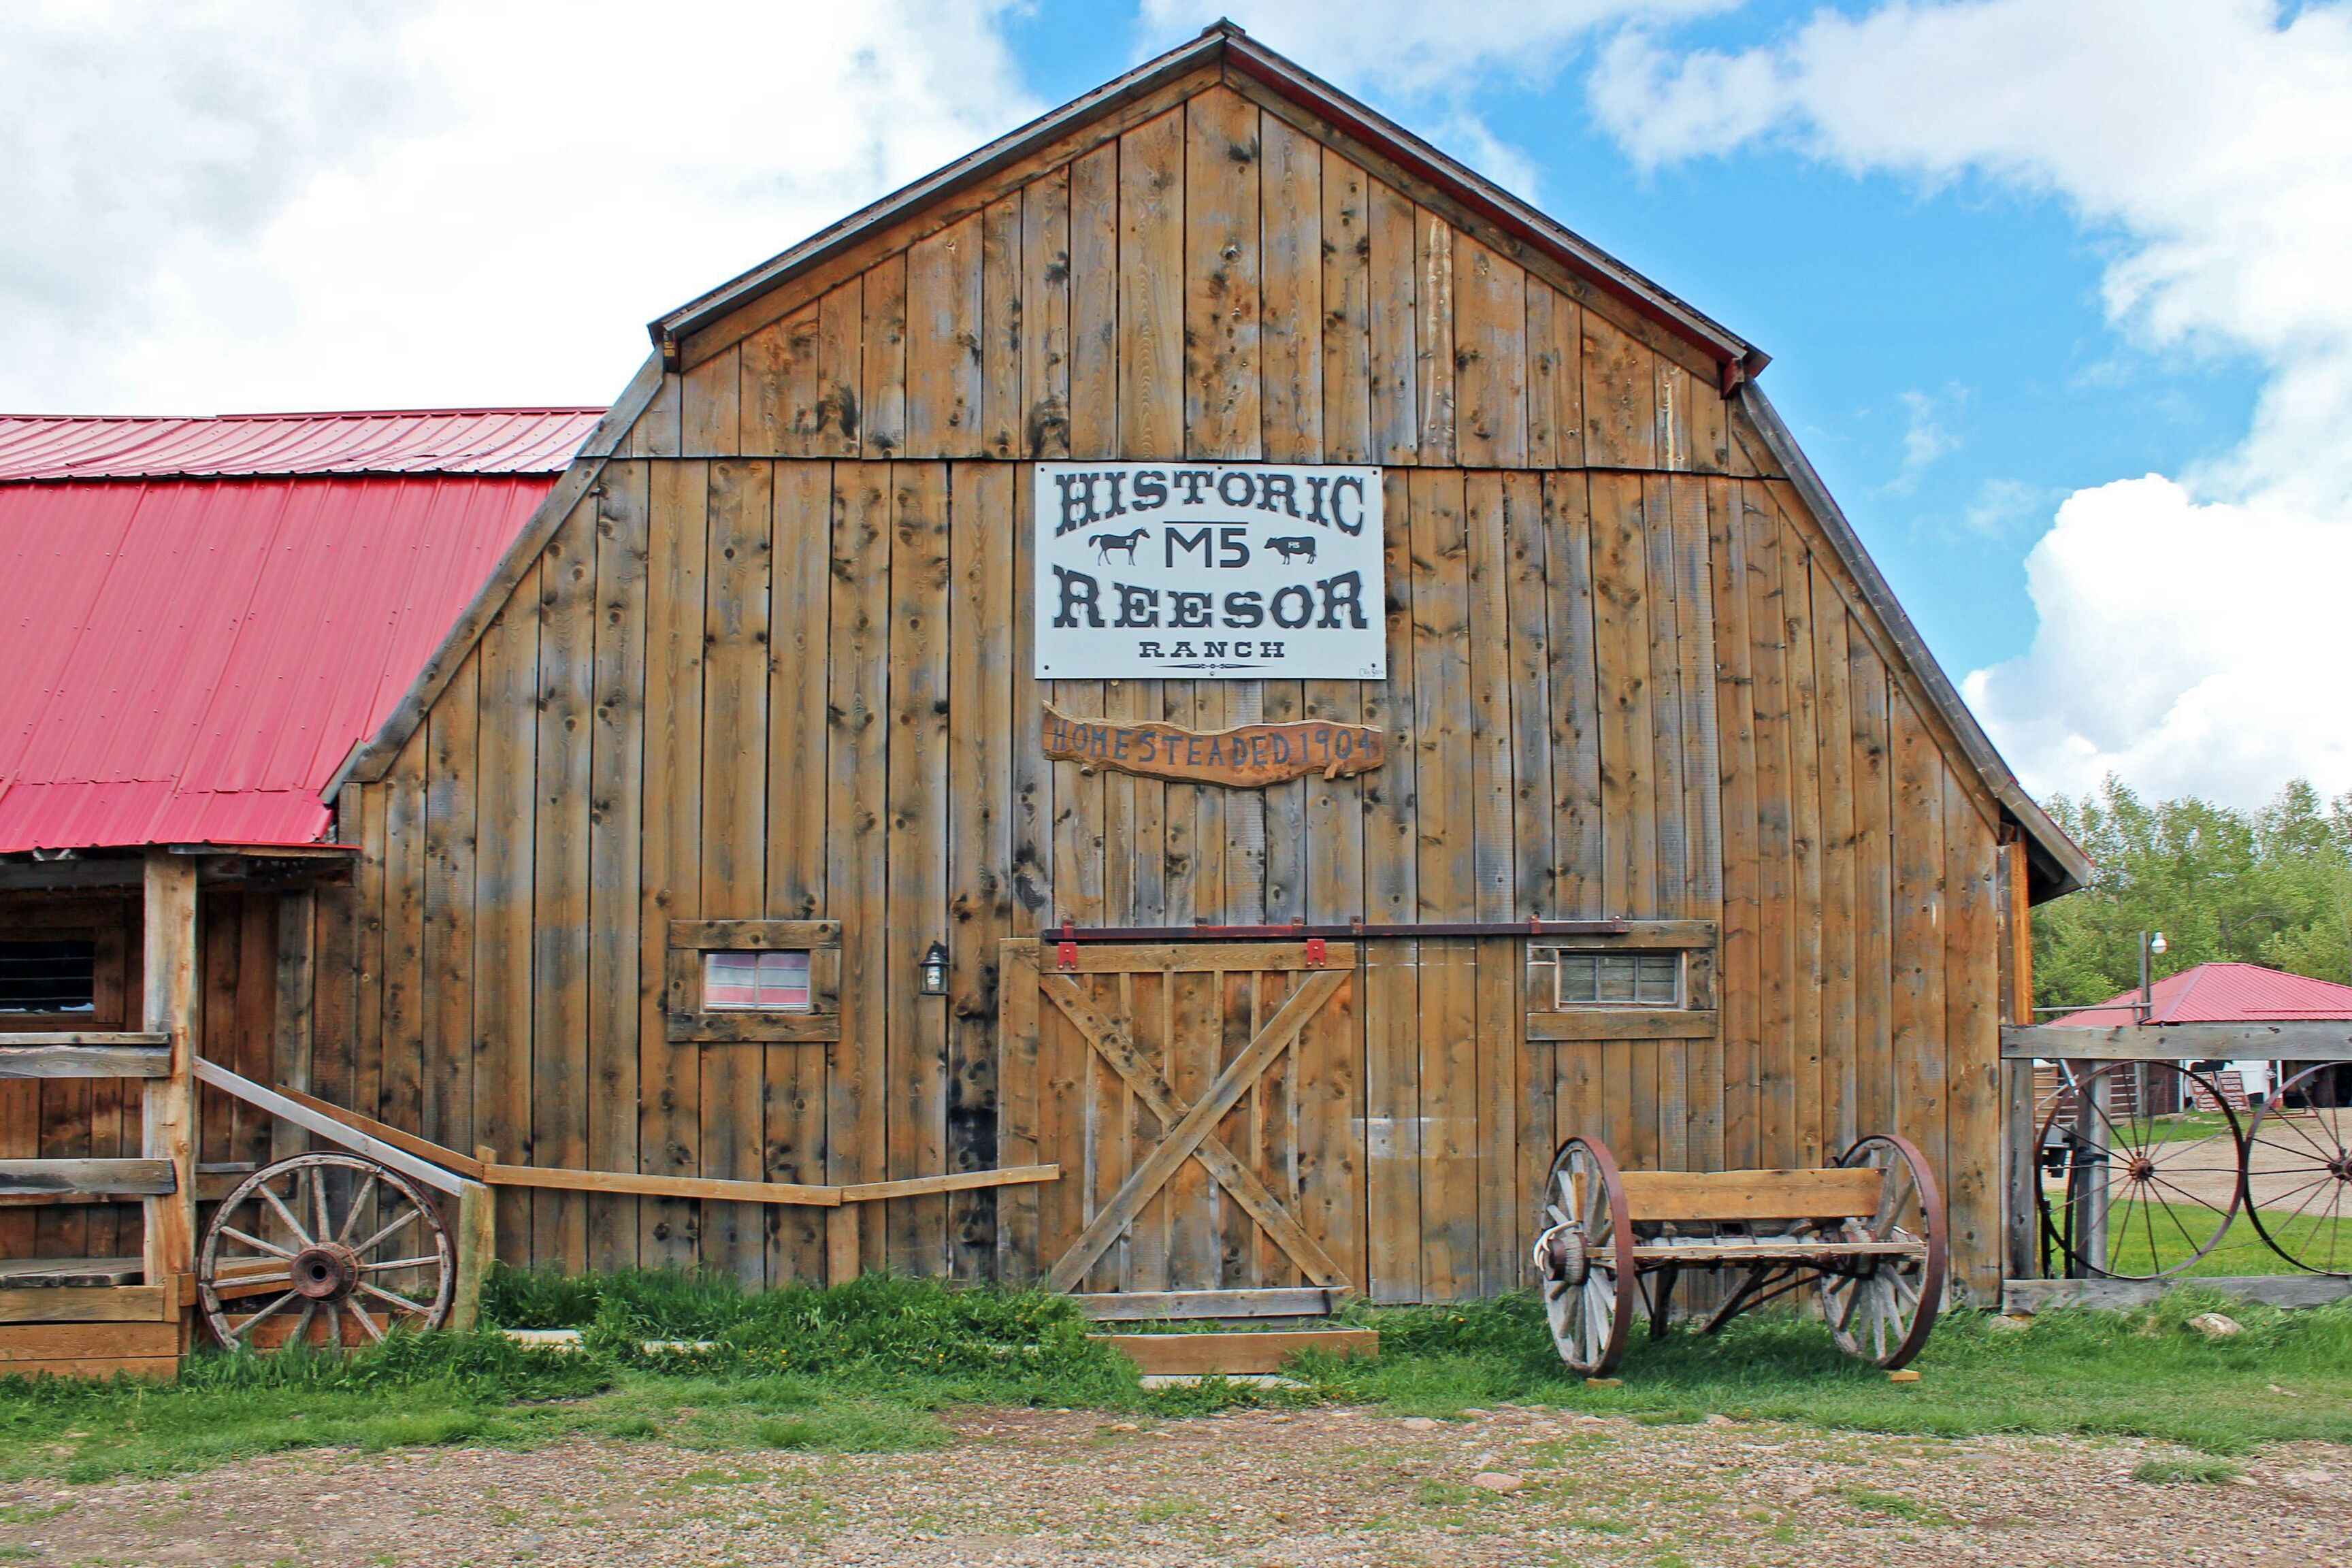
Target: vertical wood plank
[400, 1099]
[1660, 568]
[1434, 344]
[711, 403]
[299, 1009]
[1346, 311]
[615, 856]
[449, 871]
[1738, 964]
[669, 1078]
[883, 359]
[735, 659]
[1001, 292]
[1152, 273]
[1622, 657]
[1491, 352]
[1580, 890]
[1291, 329]
[1045, 264]
[799, 616]
[836, 421]
[1393, 273]
[980, 841]
[1972, 1042]
[943, 348]
[1619, 397]
[917, 890]
[1222, 370]
[780, 387]
[1777, 915]
[1832, 679]
[559, 1089]
[1804, 844]
[1918, 989]
[1392, 970]
[507, 747]
[856, 760]
[1874, 865]
[1555, 380]
[1495, 663]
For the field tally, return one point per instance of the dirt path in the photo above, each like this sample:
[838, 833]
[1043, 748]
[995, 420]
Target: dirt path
[1250, 1488]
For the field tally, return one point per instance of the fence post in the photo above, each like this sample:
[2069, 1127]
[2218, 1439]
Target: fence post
[477, 1244]
[167, 1106]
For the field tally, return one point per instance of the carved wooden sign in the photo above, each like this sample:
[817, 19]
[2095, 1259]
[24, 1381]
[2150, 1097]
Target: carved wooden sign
[1249, 756]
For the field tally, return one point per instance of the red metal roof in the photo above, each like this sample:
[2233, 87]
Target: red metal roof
[189, 660]
[2223, 993]
[414, 441]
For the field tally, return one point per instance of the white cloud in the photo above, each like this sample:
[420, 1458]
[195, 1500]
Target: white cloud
[2205, 141]
[1925, 435]
[245, 204]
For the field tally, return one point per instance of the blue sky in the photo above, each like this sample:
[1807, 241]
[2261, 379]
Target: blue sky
[2054, 288]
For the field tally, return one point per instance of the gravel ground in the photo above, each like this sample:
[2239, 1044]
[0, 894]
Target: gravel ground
[1322, 1488]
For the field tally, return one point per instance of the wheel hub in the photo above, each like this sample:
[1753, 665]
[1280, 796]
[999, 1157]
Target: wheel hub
[326, 1271]
[1561, 1256]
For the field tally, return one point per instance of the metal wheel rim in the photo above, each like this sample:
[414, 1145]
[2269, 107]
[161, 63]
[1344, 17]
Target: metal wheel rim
[2317, 1154]
[1885, 1313]
[2142, 1197]
[1591, 1323]
[245, 1279]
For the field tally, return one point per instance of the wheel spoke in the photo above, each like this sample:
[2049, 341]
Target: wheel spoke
[302, 1333]
[239, 1331]
[408, 1217]
[317, 1177]
[287, 1214]
[392, 1263]
[366, 1322]
[256, 1243]
[402, 1303]
[352, 1216]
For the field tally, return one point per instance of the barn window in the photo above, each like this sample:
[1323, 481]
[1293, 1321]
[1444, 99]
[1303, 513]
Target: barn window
[756, 981]
[48, 976]
[767, 981]
[1594, 979]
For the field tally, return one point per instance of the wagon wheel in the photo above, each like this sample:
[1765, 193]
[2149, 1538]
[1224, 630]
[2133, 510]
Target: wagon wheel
[2137, 1200]
[302, 1244]
[2299, 1172]
[1882, 1306]
[1584, 1256]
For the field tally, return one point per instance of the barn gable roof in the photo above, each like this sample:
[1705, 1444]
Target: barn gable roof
[1226, 44]
[211, 612]
[694, 331]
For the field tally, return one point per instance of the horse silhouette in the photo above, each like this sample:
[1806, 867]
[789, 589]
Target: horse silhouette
[1292, 548]
[1124, 544]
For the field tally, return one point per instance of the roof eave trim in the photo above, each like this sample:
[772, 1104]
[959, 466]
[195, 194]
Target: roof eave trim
[1739, 359]
[373, 758]
[2064, 864]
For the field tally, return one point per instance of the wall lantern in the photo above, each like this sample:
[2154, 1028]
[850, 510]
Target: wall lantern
[934, 971]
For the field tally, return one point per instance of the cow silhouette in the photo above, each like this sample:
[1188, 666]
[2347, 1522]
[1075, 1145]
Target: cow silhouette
[1292, 548]
[1124, 544]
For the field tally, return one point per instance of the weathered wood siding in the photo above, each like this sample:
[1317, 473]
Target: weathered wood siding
[776, 666]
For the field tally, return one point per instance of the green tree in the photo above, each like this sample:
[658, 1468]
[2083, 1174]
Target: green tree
[2270, 887]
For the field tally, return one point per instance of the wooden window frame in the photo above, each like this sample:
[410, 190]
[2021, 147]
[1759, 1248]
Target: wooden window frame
[1696, 1018]
[110, 969]
[690, 1022]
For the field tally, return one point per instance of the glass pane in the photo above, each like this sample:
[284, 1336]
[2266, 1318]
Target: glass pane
[48, 976]
[1617, 977]
[730, 980]
[784, 980]
[1658, 979]
[1579, 977]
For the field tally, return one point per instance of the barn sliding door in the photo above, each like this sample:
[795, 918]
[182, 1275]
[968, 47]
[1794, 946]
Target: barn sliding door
[1203, 1101]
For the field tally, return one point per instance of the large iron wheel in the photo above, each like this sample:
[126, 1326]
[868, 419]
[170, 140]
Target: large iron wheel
[327, 1250]
[1882, 1306]
[1584, 1257]
[2138, 1195]
[2299, 1171]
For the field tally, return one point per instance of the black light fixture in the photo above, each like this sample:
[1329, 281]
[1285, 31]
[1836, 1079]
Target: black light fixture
[935, 971]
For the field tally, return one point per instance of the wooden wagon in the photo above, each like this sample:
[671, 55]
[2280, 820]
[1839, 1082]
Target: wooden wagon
[1868, 1232]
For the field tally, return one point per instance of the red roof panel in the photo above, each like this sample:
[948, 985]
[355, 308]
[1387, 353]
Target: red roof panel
[410, 441]
[2223, 993]
[190, 660]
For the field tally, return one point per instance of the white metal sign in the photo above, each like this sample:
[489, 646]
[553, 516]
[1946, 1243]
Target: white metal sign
[1231, 571]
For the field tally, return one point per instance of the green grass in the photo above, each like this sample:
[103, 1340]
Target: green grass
[2241, 1251]
[872, 1366]
[2167, 1472]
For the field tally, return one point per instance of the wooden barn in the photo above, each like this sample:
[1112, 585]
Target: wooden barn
[1165, 709]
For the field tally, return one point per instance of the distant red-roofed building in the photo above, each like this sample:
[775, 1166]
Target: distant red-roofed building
[2224, 993]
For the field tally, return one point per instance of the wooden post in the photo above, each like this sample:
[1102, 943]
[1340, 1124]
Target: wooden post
[477, 1244]
[168, 1105]
[2022, 1214]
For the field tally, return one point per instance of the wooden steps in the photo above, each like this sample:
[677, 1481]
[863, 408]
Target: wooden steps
[68, 1273]
[87, 1330]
